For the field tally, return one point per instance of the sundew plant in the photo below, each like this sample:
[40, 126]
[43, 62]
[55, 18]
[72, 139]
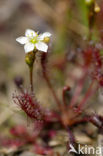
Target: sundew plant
[72, 71]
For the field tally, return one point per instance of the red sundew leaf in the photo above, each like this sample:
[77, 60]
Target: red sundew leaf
[51, 116]
[7, 142]
[97, 58]
[52, 133]
[18, 81]
[94, 62]
[38, 125]
[22, 133]
[38, 149]
[29, 105]
[97, 121]
[19, 131]
[87, 54]
[92, 56]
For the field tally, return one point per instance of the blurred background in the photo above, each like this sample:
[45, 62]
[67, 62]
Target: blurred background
[67, 20]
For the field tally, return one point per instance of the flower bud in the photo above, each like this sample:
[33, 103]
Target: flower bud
[18, 81]
[96, 8]
[30, 58]
[46, 40]
[89, 2]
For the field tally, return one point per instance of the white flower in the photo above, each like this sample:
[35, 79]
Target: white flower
[33, 41]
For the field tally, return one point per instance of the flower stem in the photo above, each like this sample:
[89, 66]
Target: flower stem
[88, 94]
[65, 89]
[31, 78]
[45, 75]
[29, 59]
[78, 90]
[52, 90]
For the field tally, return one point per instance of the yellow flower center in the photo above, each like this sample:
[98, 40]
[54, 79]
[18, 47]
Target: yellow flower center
[34, 39]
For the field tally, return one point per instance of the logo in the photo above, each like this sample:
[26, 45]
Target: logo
[86, 149]
[72, 149]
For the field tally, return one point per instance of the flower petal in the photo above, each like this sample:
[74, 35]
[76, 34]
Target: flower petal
[22, 40]
[42, 36]
[28, 47]
[41, 46]
[30, 33]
